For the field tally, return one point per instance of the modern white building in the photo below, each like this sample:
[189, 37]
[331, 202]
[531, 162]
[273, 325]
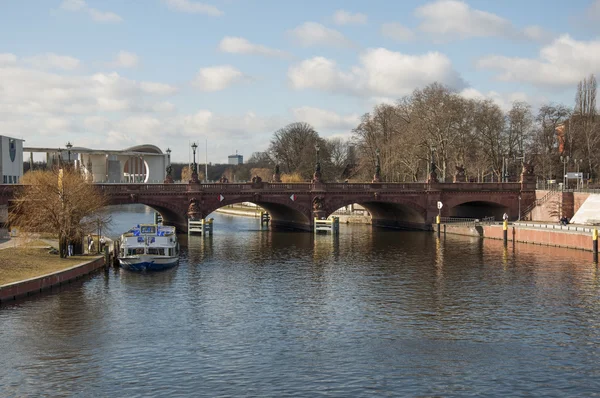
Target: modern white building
[138, 164]
[11, 160]
[236, 159]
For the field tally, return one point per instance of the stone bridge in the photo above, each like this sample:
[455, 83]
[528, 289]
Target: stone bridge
[294, 205]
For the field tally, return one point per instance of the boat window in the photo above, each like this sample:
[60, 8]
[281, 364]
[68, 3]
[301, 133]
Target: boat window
[156, 250]
[139, 250]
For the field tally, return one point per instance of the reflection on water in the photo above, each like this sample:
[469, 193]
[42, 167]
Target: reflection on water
[369, 312]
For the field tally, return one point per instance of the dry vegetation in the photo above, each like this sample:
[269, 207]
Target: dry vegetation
[21, 263]
[57, 201]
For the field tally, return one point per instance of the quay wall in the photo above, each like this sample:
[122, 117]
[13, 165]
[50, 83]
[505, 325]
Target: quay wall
[13, 291]
[547, 237]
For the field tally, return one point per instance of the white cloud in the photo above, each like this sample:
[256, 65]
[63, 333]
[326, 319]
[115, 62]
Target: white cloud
[193, 7]
[537, 33]
[7, 59]
[106, 110]
[322, 119]
[240, 45]
[217, 78]
[503, 100]
[311, 34]
[564, 62]
[97, 15]
[343, 17]
[397, 32]
[53, 61]
[104, 16]
[73, 5]
[381, 73]
[125, 59]
[447, 18]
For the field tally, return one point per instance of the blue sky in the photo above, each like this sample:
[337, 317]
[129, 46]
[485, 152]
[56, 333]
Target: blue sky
[115, 73]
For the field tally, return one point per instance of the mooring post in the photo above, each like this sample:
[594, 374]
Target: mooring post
[595, 244]
[438, 221]
[505, 232]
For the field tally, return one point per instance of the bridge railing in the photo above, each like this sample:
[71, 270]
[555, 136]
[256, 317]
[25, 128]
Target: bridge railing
[306, 187]
[466, 221]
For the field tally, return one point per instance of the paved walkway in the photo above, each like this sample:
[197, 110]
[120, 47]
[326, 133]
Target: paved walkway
[15, 242]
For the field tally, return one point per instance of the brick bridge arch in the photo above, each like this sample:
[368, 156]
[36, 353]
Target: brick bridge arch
[412, 205]
[285, 213]
[172, 213]
[386, 211]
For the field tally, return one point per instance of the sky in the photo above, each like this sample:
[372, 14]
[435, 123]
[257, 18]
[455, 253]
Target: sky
[110, 74]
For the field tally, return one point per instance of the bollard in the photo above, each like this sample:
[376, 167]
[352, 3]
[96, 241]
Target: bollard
[438, 221]
[505, 232]
[595, 244]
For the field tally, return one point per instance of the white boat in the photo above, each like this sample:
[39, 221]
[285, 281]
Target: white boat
[149, 247]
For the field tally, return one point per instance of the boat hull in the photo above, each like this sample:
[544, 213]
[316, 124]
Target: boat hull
[148, 263]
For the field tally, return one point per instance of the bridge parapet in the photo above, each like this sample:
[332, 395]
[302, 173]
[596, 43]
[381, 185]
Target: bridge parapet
[307, 187]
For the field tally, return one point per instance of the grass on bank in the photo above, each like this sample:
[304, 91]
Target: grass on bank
[28, 261]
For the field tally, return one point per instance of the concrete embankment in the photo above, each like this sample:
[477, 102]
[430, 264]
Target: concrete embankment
[255, 212]
[28, 287]
[240, 211]
[573, 237]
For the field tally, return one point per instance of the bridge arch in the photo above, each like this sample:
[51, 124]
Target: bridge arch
[172, 214]
[395, 213]
[283, 214]
[477, 209]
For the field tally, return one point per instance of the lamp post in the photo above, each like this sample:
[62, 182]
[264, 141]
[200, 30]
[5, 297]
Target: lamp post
[168, 156]
[69, 146]
[577, 163]
[194, 166]
[318, 148]
[564, 160]
[317, 174]
[519, 218]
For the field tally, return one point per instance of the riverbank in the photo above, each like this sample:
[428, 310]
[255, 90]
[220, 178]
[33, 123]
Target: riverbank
[28, 267]
[572, 236]
[243, 211]
[247, 211]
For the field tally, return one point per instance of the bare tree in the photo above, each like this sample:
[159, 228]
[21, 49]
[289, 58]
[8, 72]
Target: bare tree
[56, 201]
[584, 123]
[294, 148]
[549, 120]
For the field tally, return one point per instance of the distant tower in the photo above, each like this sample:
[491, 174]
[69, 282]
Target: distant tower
[235, 159]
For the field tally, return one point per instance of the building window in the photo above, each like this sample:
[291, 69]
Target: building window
[10, 179]
[4, 180]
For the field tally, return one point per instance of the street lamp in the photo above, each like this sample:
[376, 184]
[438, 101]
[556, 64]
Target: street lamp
[168, 155]
[194, 147]
[519, 218]
[318, 148]
[564, 161]
[69, 146]
[577, 163]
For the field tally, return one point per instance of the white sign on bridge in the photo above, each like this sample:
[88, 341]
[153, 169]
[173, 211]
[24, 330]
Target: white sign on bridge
[440, 205]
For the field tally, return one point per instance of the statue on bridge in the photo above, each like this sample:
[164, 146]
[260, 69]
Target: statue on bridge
[318, 205]
[459, 175]
[194, 174]
[433, 178]
[276, 175]
[169, 178]
[194, 212]
[527, 169]
[223, 180]
[528, 179]
[377, 175]
[256, 180]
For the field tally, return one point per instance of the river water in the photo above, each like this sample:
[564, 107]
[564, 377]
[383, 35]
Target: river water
[372, 312]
